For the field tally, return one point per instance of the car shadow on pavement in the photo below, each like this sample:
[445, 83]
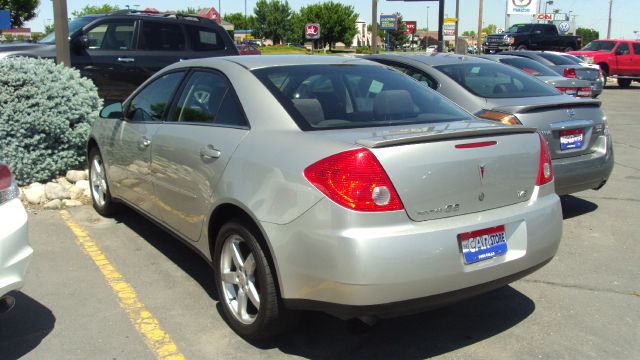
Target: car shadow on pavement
[574, 206]
[24, 327]
[174, 249]
[410, 337]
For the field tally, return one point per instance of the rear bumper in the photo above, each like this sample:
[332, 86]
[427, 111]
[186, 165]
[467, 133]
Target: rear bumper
[583, 172]
[15, 251]
[351, 264]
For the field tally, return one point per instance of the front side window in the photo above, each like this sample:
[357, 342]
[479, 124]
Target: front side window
[111, 36]
[420, 76]
[151, 102]
[204, 39]
[320, 97]
[157, 36]
[491, 80]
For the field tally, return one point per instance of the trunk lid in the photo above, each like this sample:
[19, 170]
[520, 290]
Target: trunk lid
[436, 178]
[561, 120]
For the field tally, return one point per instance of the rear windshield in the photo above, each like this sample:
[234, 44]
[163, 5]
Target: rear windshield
[556, 59]
[600, 46]
[573, 58]
[529, 66]
[320, 97]
[492, 80]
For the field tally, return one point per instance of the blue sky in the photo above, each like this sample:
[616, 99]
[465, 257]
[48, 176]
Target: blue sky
[591, 13]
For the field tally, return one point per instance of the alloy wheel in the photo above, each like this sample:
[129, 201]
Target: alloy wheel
[239, 283]
[99, 189]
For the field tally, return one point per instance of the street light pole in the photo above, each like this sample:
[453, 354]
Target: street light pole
[609, 26]
[374, 26]
[455, 42]
[480, 16]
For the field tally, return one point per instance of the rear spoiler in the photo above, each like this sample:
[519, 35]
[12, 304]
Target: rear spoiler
[428, 135]
[587, 103]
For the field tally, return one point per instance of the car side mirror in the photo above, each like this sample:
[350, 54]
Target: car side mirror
[81, 42]
[112, 111]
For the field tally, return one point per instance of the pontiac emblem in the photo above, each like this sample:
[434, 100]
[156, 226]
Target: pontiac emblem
[481, 171]
[571, 113]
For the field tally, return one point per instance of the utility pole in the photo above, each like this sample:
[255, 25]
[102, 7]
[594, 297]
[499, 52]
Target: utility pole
[506, 17]
[62, 32]
[609, 26]
[440, 25]
[480, 23]
[455, 46]
[374, 26]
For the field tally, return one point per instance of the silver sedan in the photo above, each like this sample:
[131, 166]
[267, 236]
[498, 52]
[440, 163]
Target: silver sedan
[575, 129]
[326, 183]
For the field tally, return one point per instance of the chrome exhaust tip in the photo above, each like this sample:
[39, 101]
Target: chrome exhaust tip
[6, 304]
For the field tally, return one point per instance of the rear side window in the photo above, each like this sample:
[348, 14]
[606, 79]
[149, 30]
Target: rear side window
[492, 80]
[160, 36]
[556, 59]
[111, 36]
[623, 48]
[320, 97]
[151, 102]
[204, 39]
[636, 49]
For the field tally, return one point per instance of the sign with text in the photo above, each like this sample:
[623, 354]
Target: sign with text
[412, 27]
[449, 29]
[522, 7]
[5, 20]
[312, 31]
[389, 22]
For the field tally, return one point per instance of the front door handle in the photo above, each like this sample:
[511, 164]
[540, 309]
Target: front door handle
[144, 142]
[126, 60]
[209, 152]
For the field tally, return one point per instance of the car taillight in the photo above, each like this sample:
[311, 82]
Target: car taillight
[356, 180]
[568, 90]
[569, 72]
[505, 118]
[8, 189]
[545, 167]
[585, 92]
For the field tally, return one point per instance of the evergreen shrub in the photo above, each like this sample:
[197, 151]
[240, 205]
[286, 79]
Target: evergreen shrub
[46, 112]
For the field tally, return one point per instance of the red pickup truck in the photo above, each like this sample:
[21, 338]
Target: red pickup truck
[617, 58]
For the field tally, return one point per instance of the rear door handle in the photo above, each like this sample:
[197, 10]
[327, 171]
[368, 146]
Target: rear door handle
[126, 60]
[209, 152]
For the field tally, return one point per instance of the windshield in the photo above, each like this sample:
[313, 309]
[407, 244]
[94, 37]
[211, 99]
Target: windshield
[320, 97]
[529, 66]
[74, 26]
[520, 28]
[493, 80]
[600, 46]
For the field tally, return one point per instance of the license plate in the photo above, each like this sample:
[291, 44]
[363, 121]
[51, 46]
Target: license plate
[571, 139]
[483, 244]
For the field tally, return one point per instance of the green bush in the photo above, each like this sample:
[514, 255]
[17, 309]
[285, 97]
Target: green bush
[363, 50]
[46, 112]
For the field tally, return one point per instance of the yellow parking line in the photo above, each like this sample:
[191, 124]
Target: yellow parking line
[157, 339]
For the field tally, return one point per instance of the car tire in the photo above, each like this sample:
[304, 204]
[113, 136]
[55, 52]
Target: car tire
[246, 284]
[522, 47]
[624, 83]
[99, 185]
[605, 76]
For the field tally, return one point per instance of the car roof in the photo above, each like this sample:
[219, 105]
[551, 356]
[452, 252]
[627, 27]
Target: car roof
[435, 59]
[256, 62]
[497, 57]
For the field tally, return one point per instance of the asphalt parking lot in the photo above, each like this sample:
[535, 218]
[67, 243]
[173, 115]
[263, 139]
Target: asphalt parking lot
[123, 289]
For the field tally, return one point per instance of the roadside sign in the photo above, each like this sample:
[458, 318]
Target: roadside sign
[5, 20]
[411, 26]
[312, 31]
[389, 22]
[564, 27]
[522, 7]
[449, 29]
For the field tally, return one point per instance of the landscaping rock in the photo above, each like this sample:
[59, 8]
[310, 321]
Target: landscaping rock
[76, 175]
[53, 204]
[35, 193]
[82, 184]
[76, 192]
[71, 203]
[87, 193]
[64, 182]
[56, 191]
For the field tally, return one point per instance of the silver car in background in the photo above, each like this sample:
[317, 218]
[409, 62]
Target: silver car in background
[327, 183]
[15, 251]
[572, 87]
[575, 129]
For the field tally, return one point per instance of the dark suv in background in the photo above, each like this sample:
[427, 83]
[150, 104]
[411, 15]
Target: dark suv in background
[120, 50]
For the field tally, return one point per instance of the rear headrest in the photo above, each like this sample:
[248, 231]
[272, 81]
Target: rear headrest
[392, 102]
[311, 109]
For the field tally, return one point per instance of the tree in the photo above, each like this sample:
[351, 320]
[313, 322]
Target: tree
[337, 21]
[48, 29]
[94, 9]
[273, 19]
[588, 35]
[239, 22]
[469, 33]
[20, 11]
[295, 32]
[491, 29]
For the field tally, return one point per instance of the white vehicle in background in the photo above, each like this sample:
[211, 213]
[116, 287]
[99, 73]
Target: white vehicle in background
[432, 49]
[577, 59]
[15, 251]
